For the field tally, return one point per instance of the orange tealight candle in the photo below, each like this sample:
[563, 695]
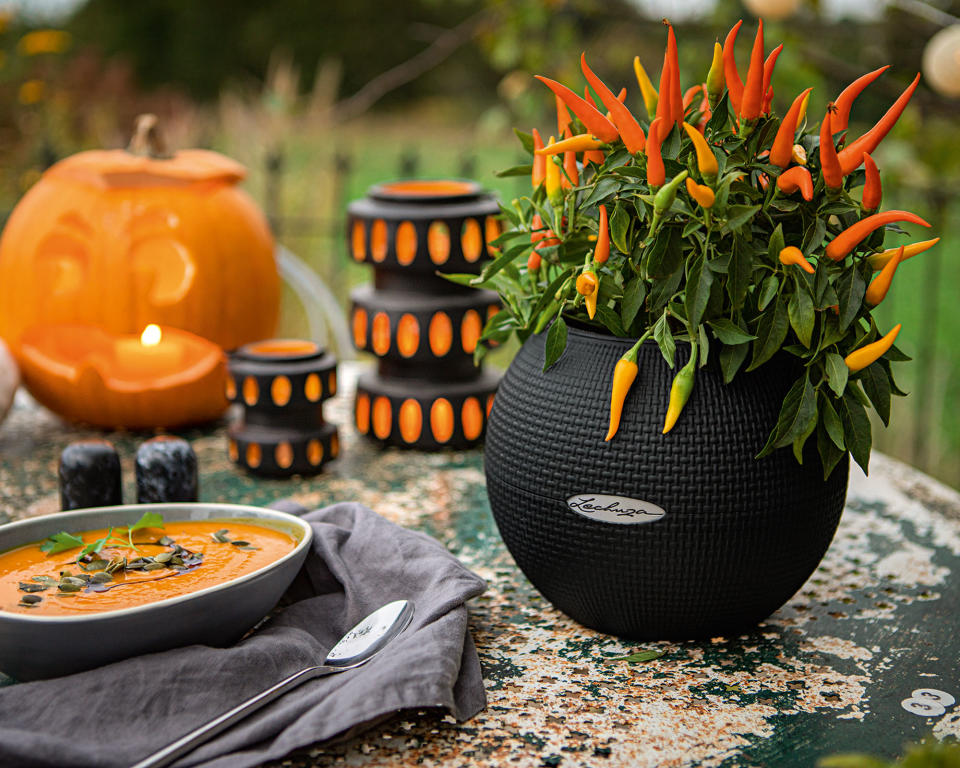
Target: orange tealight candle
[164, 377]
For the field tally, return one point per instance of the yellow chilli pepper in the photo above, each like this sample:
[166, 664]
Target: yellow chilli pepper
[680, 390]
[879, 260]
[701, 193]
[587, 287]
[877, 290]
[861, 358]
[624, 374]
[706, 160]
[650, 97]
[715, 79]
[552, 180]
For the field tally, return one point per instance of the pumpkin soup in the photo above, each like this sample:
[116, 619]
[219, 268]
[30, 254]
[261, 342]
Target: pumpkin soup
[105, 570]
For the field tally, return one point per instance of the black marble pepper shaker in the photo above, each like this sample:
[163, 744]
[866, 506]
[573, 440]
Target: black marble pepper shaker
[90, 475]
[166, 471]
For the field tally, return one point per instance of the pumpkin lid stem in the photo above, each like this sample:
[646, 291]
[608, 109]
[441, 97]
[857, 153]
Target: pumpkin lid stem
[147, 141]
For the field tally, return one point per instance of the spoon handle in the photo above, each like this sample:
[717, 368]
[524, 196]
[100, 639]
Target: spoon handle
[205, 732]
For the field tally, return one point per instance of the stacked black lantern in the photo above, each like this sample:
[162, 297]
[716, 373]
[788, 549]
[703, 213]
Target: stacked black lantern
[281, 384]
[426, 393]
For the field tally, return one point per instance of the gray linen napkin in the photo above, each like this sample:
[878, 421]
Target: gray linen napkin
[118, 714]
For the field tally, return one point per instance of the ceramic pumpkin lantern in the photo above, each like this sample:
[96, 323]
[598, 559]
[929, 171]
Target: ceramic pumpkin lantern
[118, 239]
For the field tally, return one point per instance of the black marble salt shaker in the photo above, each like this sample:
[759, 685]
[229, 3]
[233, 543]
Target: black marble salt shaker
[166, 468]
[90, 475]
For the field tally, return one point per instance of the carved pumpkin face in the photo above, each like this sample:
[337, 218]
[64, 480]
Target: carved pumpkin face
[117, 241]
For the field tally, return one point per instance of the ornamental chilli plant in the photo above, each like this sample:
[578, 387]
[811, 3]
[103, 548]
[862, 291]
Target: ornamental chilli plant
[716, 223]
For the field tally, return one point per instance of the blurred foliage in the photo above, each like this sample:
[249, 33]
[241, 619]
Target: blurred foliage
[929, 753]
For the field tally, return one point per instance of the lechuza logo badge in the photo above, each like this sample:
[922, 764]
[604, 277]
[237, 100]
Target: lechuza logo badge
[620, 510]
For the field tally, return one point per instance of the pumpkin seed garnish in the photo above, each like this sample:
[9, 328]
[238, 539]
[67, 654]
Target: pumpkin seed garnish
[221, 536]
[176, 560]
[28, 586]
[101, 578]
[153, 566]
[48, 580]
[30, 600]
[165, 541]
[249, 548]
[66, 586]
[116, 564]
[94, 565]
[239, 543]
[164, 557]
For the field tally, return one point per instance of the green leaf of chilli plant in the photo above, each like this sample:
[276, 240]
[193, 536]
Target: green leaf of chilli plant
[830, 455]
[837, 373]
[699, 280]
[731, 358]
[799, 407]
[633, 297]
[620, 227]
[876, 384]
[802, 317]
[728, 332]
[771, 331]
[638, 657]
[830, 421]
[556, 342]
[526, 139]
[664, 338]
[856, 429]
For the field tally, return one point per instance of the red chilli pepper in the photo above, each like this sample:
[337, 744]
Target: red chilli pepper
[753, 88]
[539, 172]
[849, 94]
[664, 92]
[851, 237]
[872, 189]
[676, 99]
[588, 98]
[768, 66]
[689, 96]
[601, 251]
[796, 178]
[829, 162]
[730, 73]
[630, 131]
[656, 173]
[782, 149]
[590, 116]
[851, 156]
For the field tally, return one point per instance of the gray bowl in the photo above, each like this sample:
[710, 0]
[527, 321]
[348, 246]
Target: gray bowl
[34, 647]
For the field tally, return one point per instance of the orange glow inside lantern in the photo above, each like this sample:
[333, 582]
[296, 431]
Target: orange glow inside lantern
[164, 377]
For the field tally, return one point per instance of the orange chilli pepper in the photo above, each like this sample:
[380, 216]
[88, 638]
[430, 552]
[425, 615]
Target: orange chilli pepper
[849, 94]
[768, 66]
[701, 193]
[563, 117]
[829, 162]
[793, 255]
[796, 178]
[539, 161]
[861, 358]
[533, 261]
[590, 116]
[630, 131]
[582, 142]
[872, 190]
[877, 290]
[852, 236]
[690, 95]
[753, 87]
[587, 287]
[851, 156]
[571, 176]
[624, 374]
[782, 148]
[656, 173]
[714, 84]
[601, 251]
[730, 73]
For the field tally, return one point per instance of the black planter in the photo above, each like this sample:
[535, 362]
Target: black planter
[704, 541]
[426, 393]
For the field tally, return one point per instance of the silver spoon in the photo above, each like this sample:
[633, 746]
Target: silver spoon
[357, 647]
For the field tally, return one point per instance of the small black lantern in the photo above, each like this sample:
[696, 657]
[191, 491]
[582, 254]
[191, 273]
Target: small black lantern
[281, 385]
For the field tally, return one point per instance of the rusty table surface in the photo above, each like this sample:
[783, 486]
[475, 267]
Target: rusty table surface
[828, 672]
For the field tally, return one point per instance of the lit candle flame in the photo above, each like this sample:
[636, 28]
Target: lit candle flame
[151, 335]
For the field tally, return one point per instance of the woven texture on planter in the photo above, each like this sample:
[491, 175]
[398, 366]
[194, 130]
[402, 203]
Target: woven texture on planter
[739, 536]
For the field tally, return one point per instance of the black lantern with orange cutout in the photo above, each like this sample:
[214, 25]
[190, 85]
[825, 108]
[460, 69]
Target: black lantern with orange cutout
[281, 385]
[426, 393]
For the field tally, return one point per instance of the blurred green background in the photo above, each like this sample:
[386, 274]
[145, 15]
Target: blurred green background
[321, 100]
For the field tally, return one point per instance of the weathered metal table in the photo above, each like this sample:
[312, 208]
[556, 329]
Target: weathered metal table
[829, 672]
